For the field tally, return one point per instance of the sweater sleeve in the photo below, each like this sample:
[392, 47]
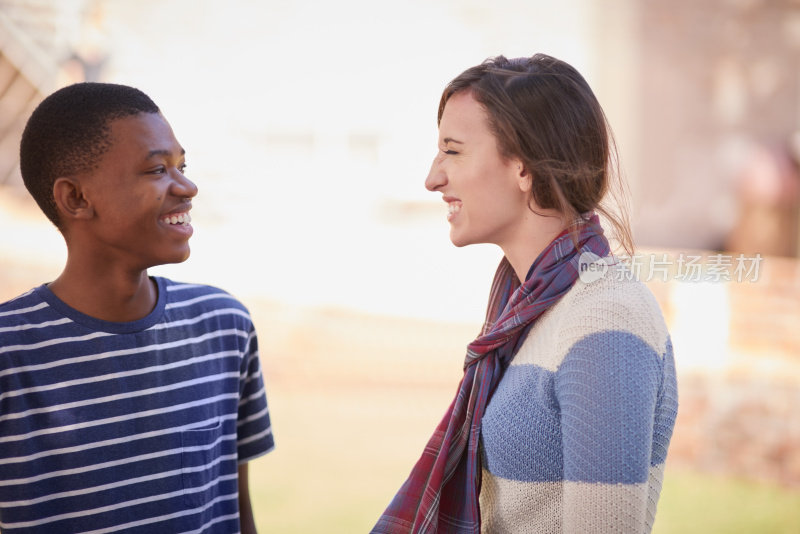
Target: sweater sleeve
[607, 389]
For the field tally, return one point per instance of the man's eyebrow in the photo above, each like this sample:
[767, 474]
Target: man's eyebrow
[162, 152]
[451, 140]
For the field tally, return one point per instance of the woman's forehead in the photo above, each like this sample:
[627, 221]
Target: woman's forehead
[463, 118]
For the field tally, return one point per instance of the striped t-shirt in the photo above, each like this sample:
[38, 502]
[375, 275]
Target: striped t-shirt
[128, 427]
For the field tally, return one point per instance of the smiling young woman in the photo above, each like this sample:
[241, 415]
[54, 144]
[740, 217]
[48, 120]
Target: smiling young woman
[564, 416]
[488, 194]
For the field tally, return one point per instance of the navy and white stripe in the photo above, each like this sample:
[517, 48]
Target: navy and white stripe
[128, 427]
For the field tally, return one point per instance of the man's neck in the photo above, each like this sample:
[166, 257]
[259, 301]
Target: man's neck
[110, 296]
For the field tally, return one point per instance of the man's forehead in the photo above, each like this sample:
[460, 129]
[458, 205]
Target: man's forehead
[147, 132]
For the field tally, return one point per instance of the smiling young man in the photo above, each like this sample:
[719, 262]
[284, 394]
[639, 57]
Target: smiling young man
[128, 403]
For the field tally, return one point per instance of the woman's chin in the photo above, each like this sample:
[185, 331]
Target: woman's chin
[459, 240]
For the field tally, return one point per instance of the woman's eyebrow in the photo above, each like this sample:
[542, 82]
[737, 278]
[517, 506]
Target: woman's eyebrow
[451, 140]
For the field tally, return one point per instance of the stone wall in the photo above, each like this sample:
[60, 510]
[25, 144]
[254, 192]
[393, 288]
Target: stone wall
[737, 347]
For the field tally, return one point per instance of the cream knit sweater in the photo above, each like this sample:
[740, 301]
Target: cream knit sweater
[575, 437]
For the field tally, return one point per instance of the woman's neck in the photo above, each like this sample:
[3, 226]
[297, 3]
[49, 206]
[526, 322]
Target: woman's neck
[533, 237]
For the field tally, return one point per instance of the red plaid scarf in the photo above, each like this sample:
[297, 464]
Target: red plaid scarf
[441, 493]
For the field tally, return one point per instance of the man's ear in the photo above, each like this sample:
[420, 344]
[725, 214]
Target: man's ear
[71, 200]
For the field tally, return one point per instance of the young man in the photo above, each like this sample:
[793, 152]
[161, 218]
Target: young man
[128, 403]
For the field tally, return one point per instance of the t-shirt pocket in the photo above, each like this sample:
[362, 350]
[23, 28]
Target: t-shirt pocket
[201, 463]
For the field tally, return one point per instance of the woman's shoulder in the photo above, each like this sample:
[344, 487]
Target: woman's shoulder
[615, 287]
[614, 301]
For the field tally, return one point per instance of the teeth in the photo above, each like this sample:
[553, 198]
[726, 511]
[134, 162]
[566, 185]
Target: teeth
[453, 207]
[178, 218]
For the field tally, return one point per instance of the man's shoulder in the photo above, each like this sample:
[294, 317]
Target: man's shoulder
[21, 306]
[29, 318]
[194, 295]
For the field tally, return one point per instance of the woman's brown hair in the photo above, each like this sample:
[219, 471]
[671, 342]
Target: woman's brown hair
[543, 112]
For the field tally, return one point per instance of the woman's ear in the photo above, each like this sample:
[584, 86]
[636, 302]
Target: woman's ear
[71, 200]
[524, 178]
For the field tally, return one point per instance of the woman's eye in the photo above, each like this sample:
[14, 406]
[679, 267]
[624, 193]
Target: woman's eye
[158, 170]
[450, 152]
[182, 168]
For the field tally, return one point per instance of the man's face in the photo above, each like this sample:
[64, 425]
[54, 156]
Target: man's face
[140, 196]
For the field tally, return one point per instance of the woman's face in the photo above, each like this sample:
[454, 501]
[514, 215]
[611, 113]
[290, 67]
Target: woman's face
[485, 193]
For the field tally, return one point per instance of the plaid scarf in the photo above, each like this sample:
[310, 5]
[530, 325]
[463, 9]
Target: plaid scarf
[441, 493]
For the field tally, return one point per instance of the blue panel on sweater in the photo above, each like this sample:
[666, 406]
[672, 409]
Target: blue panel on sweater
[607, 387]
[666, 409]
[520, 429]
[591, 421]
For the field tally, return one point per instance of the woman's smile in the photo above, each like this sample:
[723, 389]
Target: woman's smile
[453, 207]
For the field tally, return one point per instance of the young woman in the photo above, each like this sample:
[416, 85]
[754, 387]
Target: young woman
[565, 412]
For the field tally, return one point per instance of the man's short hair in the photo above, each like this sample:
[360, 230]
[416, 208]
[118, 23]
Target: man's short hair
[69, 132]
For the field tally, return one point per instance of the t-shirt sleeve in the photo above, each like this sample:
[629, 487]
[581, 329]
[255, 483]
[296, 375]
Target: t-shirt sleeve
[253, 427]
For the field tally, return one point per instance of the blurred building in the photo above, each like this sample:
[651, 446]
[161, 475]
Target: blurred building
[718, 85]
[43, 44]
[696, 91]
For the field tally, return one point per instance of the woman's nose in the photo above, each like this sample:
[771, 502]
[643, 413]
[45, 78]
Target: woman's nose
[436, 176]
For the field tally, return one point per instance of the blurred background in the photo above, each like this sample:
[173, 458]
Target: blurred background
[309, 128]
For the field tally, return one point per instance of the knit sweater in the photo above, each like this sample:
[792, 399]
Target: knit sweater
[575, 437]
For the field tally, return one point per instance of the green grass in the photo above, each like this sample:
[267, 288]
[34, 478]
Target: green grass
[692, 503]
[331, 503]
